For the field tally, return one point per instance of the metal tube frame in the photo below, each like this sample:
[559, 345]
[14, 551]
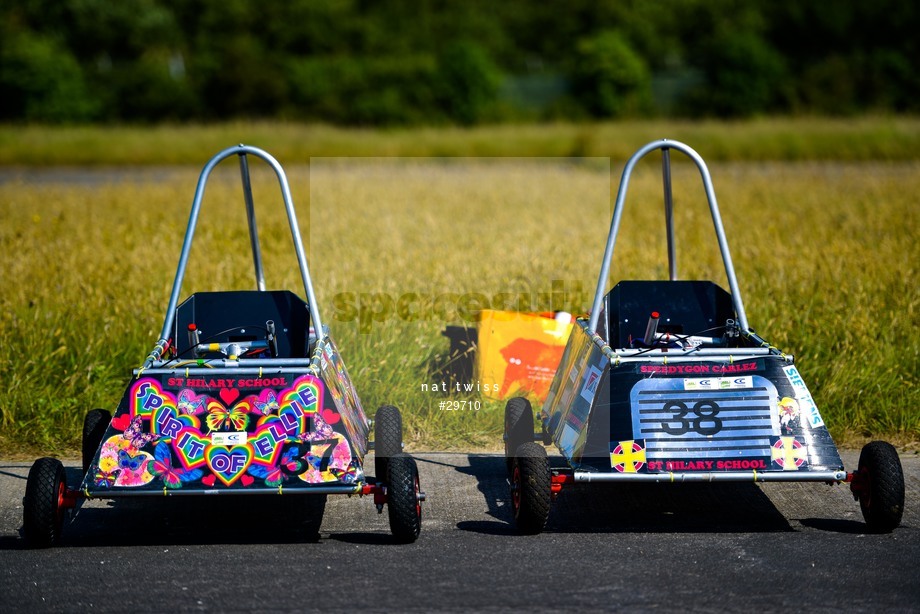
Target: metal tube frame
[669, 211]
[242, 151]
[251, 218]
[359, 488]
[224, 366]
[667, 144]
[715, 476]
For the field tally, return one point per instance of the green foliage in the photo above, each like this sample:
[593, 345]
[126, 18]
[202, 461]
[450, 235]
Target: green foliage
[610, 78]
[469, 82]
[859, 55]
[41, 81]
[346, 90]
[399, 62]
[152, 89]
[743, 76]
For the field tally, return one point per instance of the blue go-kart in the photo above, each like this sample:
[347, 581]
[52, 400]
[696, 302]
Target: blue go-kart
[666, 382]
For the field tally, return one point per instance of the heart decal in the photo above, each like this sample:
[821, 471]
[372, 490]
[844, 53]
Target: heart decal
[120, 423]
[330, 416]
[190, 446]
[209, 480]
[229, 395]
[229, 463]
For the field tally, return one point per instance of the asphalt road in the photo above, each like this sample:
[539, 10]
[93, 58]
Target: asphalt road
[709, 547]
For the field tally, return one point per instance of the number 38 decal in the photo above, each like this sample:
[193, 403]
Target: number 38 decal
[702, 418]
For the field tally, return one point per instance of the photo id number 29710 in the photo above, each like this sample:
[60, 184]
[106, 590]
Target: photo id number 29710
[459, 405]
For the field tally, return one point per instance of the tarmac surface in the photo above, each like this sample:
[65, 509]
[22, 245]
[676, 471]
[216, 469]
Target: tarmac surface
[668, 547]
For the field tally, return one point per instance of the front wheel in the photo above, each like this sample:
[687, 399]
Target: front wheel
[519, 425]
[43, 504]
[404, 498]
[531, 488]
[880, 486]
[387, 438]
[311, 511]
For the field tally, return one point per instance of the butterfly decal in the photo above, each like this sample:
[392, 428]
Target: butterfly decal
[320, 431]
[269, 406]
[191, 403]
[316, 462]
[290, 464]
[162, 467]
[136, 436]
[222, 419]
[129, 462]
[105, 479]
[347, 475]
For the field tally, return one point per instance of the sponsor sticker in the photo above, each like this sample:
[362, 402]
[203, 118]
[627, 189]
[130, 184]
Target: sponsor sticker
[806, 403]
[627, 456]
[592, 379]
[788, 453]
[719, 383]
[228, 439]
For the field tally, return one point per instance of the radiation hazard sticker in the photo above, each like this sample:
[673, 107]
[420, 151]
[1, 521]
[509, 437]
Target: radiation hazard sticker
[788, 453]
[627, 456]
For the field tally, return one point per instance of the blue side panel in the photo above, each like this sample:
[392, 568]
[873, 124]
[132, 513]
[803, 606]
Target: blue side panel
[567, 410]
[340, 387]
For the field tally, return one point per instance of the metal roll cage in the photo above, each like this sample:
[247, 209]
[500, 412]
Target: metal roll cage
[242, 151]
[665, 145]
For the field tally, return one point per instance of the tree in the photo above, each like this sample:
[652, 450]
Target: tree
[41, 81]
[469, 82]
[743, 76]
[609, 78]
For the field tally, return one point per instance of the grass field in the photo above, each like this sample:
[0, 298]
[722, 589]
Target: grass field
[826, 254]
[792, 139]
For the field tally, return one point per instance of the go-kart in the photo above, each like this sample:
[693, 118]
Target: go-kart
[244, 393]
[667, 382]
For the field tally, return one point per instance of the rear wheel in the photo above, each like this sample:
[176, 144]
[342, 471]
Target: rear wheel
[43, 504]
[404, 503]
[531, 488]
[314, 509]
[519, 426]
[387, 438]
[881, 486]
[95, 423]
[304, 514]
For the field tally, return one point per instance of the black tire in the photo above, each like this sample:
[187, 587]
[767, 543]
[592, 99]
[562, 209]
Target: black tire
[519, 425]
[881, 497]
[304, 514]
[387, 438]
[315, 509]
[404, 505]
[95, 423]
[43, 505]
[531, 488]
